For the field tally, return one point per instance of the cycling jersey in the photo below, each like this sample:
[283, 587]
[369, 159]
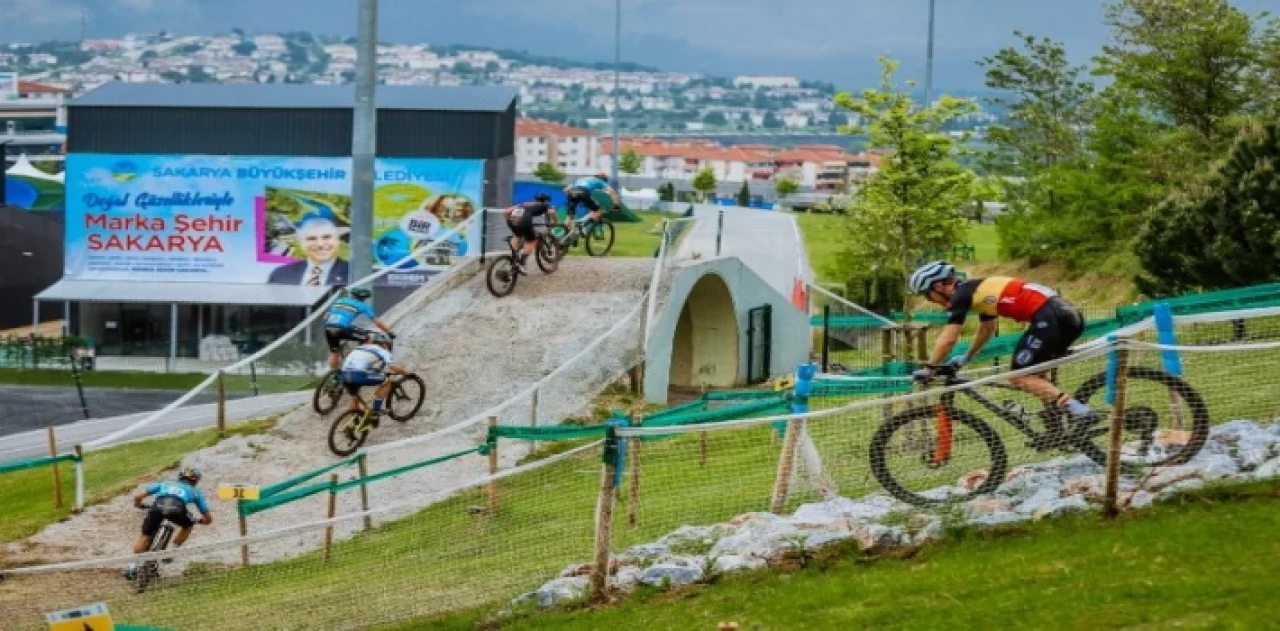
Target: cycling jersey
[186, 493]
[527, 211]
[369, 358]
[997, 296]
[344, 312]
[591, 184]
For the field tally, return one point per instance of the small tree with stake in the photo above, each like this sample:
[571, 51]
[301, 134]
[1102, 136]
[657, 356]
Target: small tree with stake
[744, 195]
[547, 172]
[705, 181]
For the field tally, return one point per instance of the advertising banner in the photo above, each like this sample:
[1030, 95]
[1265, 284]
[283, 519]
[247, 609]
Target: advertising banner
[256, 219]
[8, 86]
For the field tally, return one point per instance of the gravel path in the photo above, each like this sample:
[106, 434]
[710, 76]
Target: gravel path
[472, 350]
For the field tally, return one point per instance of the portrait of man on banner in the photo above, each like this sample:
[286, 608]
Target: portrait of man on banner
[320, 238]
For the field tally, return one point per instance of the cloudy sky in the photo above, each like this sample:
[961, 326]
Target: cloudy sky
[833, 40]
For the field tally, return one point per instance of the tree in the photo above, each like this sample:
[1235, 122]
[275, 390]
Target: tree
[548, 173]
[771, 121]
[744, 195]
[629, 161]
[705, 181]
[1189, 60]
[245, 48]
[1227, 233]
[667, 192]
[715, 118]
[786, 187]
[913, 204]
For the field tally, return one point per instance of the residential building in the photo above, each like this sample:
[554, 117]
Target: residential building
[764, 81]
[35, 124]
[572, 150]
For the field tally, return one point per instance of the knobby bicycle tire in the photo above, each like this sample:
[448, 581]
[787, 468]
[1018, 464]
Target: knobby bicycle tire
[490, 276]
[400, 390]
[1199, 411]
[150, 570]
[606, 228]
[996, 468]
[327, 393]
[548, 255]
[350, 416]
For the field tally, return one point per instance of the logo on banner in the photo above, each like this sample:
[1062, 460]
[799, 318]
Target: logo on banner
[124, 171]
[420, 224]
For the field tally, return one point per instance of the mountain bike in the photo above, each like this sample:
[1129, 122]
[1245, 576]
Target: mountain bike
[597, 236]
[354, 425]
[329, 391]
[150, 570]
[502, 275]
[929, 433]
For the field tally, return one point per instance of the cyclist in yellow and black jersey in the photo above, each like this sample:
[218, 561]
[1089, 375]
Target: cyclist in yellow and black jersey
[1053, 325]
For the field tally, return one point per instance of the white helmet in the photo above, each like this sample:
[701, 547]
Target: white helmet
[930, 273]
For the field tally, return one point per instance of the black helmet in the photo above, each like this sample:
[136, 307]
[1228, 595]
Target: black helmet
[361, 293]
[542, 197]
[190, 475]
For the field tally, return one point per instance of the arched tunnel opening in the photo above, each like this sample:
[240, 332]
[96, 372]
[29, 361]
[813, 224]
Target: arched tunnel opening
[704, 351]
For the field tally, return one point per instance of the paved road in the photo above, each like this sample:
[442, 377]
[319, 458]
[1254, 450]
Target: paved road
[28, 444]
[24, 408]
[767, 242]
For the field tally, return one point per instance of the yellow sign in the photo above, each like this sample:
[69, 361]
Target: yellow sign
[238, 491]
[92, 618]
[784, 383]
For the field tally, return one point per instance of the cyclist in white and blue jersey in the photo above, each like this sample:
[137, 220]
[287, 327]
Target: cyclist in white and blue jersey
[170, 504]
[580, 193]
[368, 365]
[339, 324]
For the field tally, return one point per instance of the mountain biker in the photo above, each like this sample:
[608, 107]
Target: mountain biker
[340, 321]
[170, 504]
[580, 193]
[520, 220]
[1053, 325]
[367, 365]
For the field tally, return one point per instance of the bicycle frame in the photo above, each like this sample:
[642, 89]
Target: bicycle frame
[948, 401]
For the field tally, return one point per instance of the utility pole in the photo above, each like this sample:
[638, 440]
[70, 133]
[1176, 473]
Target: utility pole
[617, 83]
[928, 69]
[364, 140]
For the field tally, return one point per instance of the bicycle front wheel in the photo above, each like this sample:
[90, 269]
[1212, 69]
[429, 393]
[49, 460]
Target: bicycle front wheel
[327, 394]
[345, 435]
[548, 255]
[916, 456]
[600, 238]
[406, 398]
[501, 277]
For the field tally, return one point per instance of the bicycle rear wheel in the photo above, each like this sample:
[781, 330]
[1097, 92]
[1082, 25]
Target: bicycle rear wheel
[501, 277]
[150, 570]
[600, 238]
[408, 394]
[344, 439]
[327, 394]
[911, 450]
[1145, 441]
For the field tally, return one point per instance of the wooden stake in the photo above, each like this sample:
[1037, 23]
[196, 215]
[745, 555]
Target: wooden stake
[333, 509]
[57, 475]
[633, 497]
[493, 470]
[79, 478]
[364, 491]
[604, 523]
[1109, 508]
[222, 405]
[702, 449]
[244, 547]
[786, 460]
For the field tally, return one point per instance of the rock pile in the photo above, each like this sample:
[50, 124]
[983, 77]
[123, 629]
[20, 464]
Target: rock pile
[878, 523]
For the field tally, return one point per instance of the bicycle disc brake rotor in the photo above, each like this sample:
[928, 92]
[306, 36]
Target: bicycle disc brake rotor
[1141, 420]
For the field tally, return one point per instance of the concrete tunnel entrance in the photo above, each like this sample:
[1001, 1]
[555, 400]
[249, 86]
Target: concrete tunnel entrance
[704, 350]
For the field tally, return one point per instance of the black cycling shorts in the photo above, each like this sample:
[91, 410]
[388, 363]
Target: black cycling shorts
[1054, 327]
[523, 228]
[166, 507]
[334, 336]
[578, 195]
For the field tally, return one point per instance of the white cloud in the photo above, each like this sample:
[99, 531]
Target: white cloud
[38, 13]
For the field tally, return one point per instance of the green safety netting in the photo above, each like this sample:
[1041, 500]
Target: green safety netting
[833, 388]
[740, 395]
[764, 407]
[32, 463]
[341, 486]
[288, 483]
[1266, 295]
[546, 433]
[695, 405]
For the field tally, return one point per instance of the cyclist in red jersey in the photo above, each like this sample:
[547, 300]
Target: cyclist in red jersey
[1053, 325]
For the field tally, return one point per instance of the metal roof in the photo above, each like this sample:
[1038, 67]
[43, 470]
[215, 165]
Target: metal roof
[183, 293]
[285, 95]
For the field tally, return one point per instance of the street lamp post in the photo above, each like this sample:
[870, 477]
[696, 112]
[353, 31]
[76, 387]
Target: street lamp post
[928, 69]
[364, 136]
[617, 74]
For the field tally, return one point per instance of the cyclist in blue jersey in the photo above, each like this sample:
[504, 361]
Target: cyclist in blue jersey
[170, 504]
[580, 193]
[339, 324]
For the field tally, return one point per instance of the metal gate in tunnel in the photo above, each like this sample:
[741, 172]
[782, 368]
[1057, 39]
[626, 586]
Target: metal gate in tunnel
[759, 342]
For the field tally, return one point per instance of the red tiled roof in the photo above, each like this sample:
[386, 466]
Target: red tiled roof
[535, 127]
[31, 87]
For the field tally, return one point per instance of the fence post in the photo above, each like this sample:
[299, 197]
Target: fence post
[333, 509]
[886, 358]
[75, 373]
[826, 338]
[922, 343]
[633, 496]
[222, 404]
[253, 378]
[604, 514]
[785, 463]
[719, 231]
[493, 469]
[57, 475]
[244, 532]
[1109, 508]
[364, 490]
[533, 417]
[79, 478]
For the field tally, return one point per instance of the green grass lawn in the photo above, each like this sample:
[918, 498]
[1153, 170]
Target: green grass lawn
[639, 240]
[28, 498]
[1203, 561]
[123, 380]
